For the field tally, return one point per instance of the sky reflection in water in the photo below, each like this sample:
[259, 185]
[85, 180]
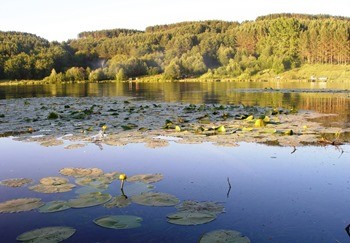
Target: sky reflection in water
[276, 196]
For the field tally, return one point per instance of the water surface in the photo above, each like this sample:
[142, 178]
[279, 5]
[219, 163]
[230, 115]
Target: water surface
[276, 195]
[324, 97]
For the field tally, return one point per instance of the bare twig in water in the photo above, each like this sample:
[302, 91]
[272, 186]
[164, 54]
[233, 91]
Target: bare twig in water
[347, 229]
[294, 149]
[341, 151]
[229, 187]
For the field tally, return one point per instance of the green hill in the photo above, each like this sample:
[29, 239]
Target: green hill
[267, 47]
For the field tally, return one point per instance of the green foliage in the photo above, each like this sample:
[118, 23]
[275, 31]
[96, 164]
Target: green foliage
[97, 75]
[19, 66]
[121, 76]
[76, 74]
[55, 77]
[173, 70]
[52, 116]
[278, 42]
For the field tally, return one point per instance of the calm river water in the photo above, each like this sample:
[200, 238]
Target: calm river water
[277, 195]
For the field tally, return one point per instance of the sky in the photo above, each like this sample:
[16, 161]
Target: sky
[60, 20]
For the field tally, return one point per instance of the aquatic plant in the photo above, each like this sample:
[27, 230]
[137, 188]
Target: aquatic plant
[53, 185]
[16, 182]
[81, 172]
[89, 200]
[54, 206]
[20, 205]
[47, 234]
[119, 221]
[146, 178]
[155, 199]
[224, 236]
[190, 218]
[118, 201]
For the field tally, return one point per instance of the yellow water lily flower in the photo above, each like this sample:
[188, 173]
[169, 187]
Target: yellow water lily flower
[122, 177]
[259, 123]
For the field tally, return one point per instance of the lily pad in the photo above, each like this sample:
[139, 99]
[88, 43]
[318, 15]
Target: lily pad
[157, 143]
[54, 206]
[91, 183]
[137, 188]
[119, 221]
[202, 207]
[88, 189]
[75, 146]
[16, 182]
[81, 172]
[118, 201]
[53, 181]
[20, 205]
[146, 178]
[155, 199]
[53, 185]
[47, 234]
[51, 142]
[224, 236]
[100, 182]
[190, 218]
[197, 123]
[89, 200]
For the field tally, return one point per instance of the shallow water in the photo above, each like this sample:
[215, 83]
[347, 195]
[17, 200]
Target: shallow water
[276, 195]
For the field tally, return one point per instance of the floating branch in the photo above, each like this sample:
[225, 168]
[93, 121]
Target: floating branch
[229, 187]
[294, 149]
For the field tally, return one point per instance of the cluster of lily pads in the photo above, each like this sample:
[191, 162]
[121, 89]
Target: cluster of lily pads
[75, 122]
[93, 183]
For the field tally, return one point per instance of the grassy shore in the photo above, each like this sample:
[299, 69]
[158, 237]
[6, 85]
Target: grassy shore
[306, 73]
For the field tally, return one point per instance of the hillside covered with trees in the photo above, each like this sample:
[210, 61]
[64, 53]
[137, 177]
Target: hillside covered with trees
[273, 43]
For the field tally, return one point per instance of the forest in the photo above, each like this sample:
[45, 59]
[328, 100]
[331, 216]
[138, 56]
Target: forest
[273, 43]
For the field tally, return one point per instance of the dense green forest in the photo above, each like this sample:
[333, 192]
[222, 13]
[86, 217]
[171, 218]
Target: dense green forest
[273, 43]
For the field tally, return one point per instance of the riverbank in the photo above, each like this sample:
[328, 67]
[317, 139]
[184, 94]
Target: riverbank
[306, 73]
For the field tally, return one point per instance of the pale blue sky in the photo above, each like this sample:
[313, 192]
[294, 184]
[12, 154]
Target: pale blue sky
[64, 19]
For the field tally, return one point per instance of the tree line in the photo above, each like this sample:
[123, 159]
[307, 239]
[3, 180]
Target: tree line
[272, 43]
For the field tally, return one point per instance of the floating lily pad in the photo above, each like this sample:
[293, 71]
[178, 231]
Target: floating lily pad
[88, 189]
[202, 207]
[238, 118]
[47, 234]
[81, 172]
[157, 143]
[16, 182]
[101, 181]
[224, 236]
[20, 205]
[51, 142]
[54, 206]
[75, 146]
[89, 200]
[53, 185]
[118, 201]
[53, 181]
[146, 178]
[92, 183]
[190, 218]
[137, 188]
[155, 199]
[119, 221]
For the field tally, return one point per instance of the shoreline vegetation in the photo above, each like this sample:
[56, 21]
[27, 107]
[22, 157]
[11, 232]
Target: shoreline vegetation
[277, 47]
[306, 73]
